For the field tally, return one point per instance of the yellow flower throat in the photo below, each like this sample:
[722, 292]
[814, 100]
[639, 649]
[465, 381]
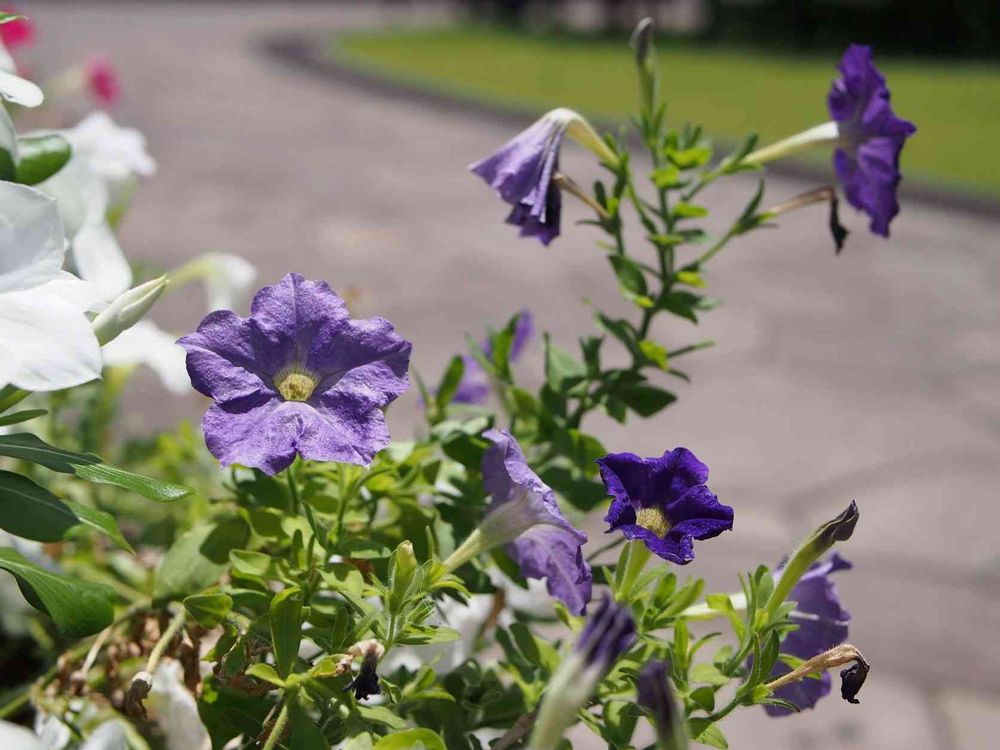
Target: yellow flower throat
[654, 520]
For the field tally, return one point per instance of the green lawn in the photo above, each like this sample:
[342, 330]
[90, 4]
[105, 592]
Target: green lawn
[956, 106]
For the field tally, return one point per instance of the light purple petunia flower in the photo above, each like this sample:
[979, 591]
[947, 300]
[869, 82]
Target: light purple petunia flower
[296, 377]
[524, 510]
[871, 137]
[822, 625]
[663, 502]
[473, 389]
[521, 172]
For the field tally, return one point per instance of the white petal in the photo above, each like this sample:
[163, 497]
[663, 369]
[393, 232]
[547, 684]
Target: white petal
[99, 259]
[6, 61]
[228, 283]
[81, 196]
[146, 344]
[15, 89]
[8, 134]
[177, 710]
[114, 152]
[32, 242]
[48, 341]
[17, 737]
[109, 735]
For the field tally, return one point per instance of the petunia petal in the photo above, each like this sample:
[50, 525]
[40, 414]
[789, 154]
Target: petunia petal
[221, 359]
[99, 259]
[19, 90]
[146, 344]
[32, 241]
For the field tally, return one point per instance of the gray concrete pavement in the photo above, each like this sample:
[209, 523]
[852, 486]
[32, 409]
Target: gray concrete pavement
[873, 375]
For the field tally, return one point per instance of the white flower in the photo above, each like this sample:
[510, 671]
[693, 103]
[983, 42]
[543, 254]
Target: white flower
[177, 710]
[83, 199]
[16, 737]
[115, 154]
[46, 341]
[13, 88]
[227, 278]
[146, 344]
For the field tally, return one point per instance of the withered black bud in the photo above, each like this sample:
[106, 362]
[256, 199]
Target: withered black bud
[852, 679]
[837, 229]
[366, 682]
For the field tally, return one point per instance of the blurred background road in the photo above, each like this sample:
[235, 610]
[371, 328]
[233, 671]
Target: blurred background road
[874, 375]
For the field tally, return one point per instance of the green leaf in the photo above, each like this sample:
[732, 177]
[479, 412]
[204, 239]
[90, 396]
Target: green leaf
[151, 489]
[197, 558]
[419, 635]
[41, 157]
[77, 608]
[363, 549]
[411, 739]
[33, 512]
[690, 158]
[381, 715]
[285, 616]
[27, 447]
[250, 563]
[655, 353]
[265, 672]
[708, 734]
[6, 17]
[629, 274]
[689, 211]
[209, 609]
[21, 416]
[708, 674]
[562, 369]
[343, 577]
[449, 382]
[704, 698]
[305, 735]
[644, 399]
[667, 177]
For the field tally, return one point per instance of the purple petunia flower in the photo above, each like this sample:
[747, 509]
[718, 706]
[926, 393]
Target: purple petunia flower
[608, 634]
[663, 502]
[472, 389]
[296, 377]
[822, 625]
[524, 511]
[870, 139]
[521, 172]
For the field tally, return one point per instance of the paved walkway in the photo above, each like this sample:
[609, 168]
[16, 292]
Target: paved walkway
[873, 375]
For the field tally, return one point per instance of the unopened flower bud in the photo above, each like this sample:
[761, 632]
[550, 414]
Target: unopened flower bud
[645, 60]
[656, 695]
[127, 309]
[402, 572]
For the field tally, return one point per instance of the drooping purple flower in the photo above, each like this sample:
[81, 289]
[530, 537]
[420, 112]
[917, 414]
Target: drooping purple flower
[524, 511]
[822, 625]
[663, 502]
[473, 388]
[521, 173]
[608, 634]
[871, 137]
[296, 377]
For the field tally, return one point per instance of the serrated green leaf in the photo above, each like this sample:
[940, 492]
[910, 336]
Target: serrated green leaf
[77, 608]
[30, 511]
[41, 157]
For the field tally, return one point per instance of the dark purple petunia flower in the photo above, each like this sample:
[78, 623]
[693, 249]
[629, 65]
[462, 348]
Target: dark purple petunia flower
[663, 502]
[870, 138]
[524, 510]
[296, 377]
[822, 625]
[608, 634]
[521, 172]
[473, 389]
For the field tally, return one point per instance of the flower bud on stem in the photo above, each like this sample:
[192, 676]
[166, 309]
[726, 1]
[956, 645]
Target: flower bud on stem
[838, 529]
[645, 61]
[826, 134]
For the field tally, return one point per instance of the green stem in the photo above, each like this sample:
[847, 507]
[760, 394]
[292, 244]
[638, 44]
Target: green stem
[168, 635]
[638, 556]
[293, 492]
[710, 253]
[279, 724]
[471, 547]
[11, 396]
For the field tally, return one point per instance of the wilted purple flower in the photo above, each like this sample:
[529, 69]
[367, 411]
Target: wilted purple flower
[822, 625]
[472, 389]
[663, 502]
[524, 512]
[870, 137]
[521, 172]
[296, 377]
[608, 634]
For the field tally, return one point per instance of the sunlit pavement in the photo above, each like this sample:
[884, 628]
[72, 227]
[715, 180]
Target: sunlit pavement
[874, 375]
